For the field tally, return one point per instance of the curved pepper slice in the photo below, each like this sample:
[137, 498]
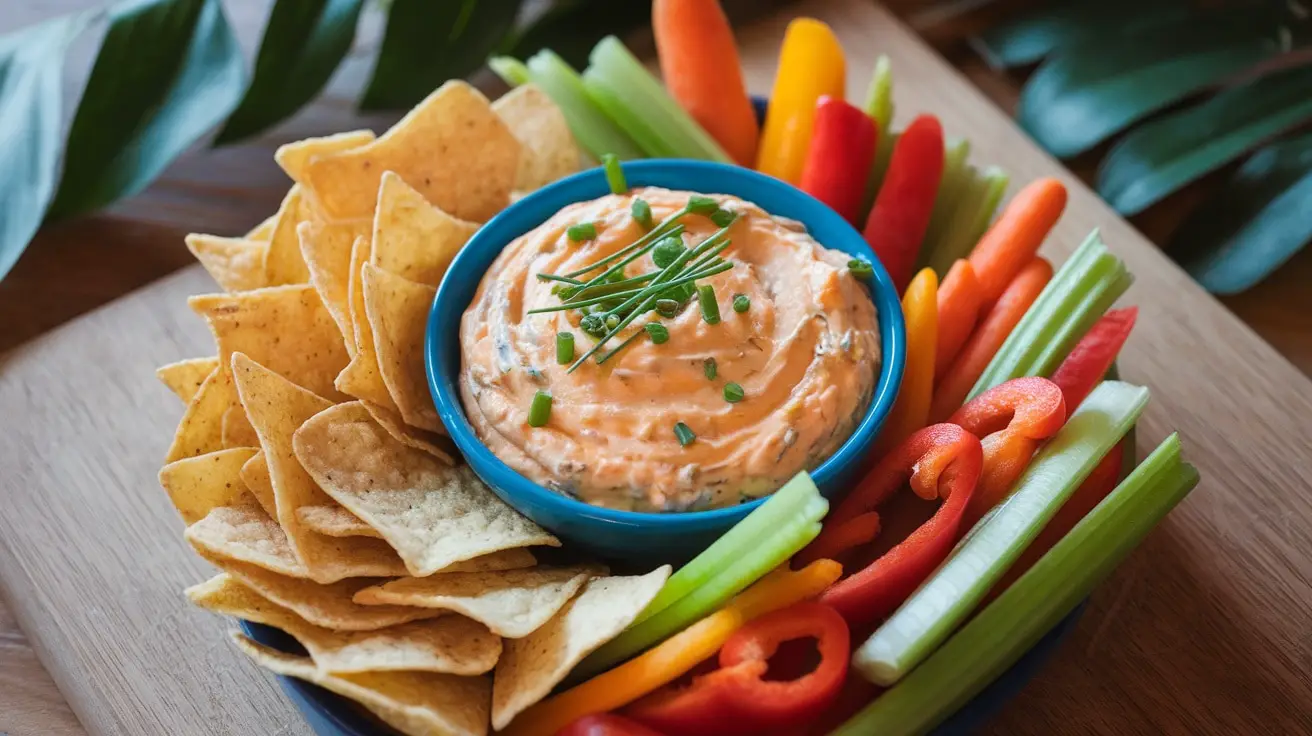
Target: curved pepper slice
[606, 724]
[737, 699]
[939, 461]
[1013, 418]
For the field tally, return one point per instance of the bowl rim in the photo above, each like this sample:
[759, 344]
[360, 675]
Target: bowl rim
[520, 217]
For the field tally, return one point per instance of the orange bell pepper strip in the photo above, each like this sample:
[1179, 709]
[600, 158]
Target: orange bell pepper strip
[674, 656]
[810, 66]
[911, 410]
[959, 305]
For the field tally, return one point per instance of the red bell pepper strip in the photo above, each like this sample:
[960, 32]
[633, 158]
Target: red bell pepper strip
[737, 699]
[606, 724]
[1014, 418]
[839, 159]
[898, 221]
[939, 461]
[1093, 355]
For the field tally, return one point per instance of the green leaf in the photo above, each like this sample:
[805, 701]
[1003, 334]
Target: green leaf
[572, 27]
[303, 43]
[1036, 34]
[167, 72]
[428, 42]
[1255, 223]
[1161, 157]
[31, 64]
[1080, 97]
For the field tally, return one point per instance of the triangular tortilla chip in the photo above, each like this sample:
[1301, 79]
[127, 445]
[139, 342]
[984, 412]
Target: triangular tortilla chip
[549, 151]
[264, 230]
[334, 521]
[419, 703]
[255, 474]
[437, 445]
[276, 408]
[293, 157]
[451, 147]
[282, 262]
[327, 252]
[530, 667]
[512, 603]
[235, 264]
[433, 514]
[284, 328]
[185, 376]
[237, 429]
[397, 310]
[245, 534]
[361, 378]
[197, 485]
[452, 644]
[201, 428]
[412, 238]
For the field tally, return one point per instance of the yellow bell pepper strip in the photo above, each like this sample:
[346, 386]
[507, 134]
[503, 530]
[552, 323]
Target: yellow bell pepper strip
[810, 65]
[676, 655]
[911, 411]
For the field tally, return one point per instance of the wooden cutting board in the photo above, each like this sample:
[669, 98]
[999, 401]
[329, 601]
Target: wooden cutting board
[1204, 630]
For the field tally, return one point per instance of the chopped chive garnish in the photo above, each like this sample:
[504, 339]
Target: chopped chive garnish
[612, 321]
[582, 231]
[684, 434]
[594, 324]
[540, 410]
[667, 307]
[741, 303]
[666, 251]
[564, 348]
[614, 277]
[699, 205]
[861, 268]
[733, 393]
[723, 218]
[709, 368]
[614, 174]
[659, 334]
[641, 212]
[710, 308]
[561, 279]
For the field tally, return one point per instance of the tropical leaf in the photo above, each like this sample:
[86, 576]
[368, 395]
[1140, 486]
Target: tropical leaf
[1160, 157]
[167, 72]
[430, 41]
[1033, 36]
[31, 64]
[1083, 95]
[572, 27]
[304, 41]
[1255, 223]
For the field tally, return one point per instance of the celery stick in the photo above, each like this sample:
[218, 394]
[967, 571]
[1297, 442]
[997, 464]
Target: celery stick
[956, 150]
[879, 106]
[593, 130]
[971, 218]
[638, 126]
[949, 245]
[1002, 632]
[1082, 290]
[510, 69]
[629, 84]
[996, 180]
[956, 588]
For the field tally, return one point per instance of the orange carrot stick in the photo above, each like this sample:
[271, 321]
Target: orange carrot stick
[959, 305]
[988, 338]
[1016, 235]
[699, 62]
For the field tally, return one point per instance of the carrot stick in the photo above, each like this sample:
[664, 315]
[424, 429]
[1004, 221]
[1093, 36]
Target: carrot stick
[959, 306]
[1016, 236]
[992, 332]
[699, 62]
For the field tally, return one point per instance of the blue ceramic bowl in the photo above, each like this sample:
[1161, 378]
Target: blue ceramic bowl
[626, 535]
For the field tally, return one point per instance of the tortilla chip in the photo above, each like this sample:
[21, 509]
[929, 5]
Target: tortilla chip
[433, 514]
[201, 428]
[327, 253]
[452, 644]
[276, 408]
[282, 262]
[334, 521]
[284, 328]
[293, 157]
[549, 151]
[361, 378]
[530, 667]
[397, 310]
[185, 376]
[512, 603]
[264, 230]
[237, 429]
[245, 534]
[255, 474]
[451, 147]
[412, 238]
[437, 445]
[235, 264]
[197, 485]
[418, 703]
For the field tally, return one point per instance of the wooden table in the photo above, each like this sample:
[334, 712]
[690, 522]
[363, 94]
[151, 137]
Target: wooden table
[1204, 630]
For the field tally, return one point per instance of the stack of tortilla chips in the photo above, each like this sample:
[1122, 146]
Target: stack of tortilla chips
[310, 466]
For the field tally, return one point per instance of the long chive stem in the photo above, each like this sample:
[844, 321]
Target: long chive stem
[561, 279]
[660, 283]
[652, 236]
[623, 323]
[603, 277]
[711, 270]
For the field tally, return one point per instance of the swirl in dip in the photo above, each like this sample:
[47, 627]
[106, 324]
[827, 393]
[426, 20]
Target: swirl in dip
[806, 353]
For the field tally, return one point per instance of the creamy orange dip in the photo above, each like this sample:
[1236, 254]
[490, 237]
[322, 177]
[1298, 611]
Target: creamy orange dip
[806, 354]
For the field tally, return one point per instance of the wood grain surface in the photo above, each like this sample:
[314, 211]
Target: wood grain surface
[1205, 630]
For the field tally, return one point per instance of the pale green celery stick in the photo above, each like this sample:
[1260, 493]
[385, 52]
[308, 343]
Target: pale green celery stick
[930, 615]
[1010, 625]
[956, 150]
[947, 246]
[593, 130]
[879, 106]
[972, 218]
[629, 84]
[510, 69]
[996, 180]
[638, 126]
